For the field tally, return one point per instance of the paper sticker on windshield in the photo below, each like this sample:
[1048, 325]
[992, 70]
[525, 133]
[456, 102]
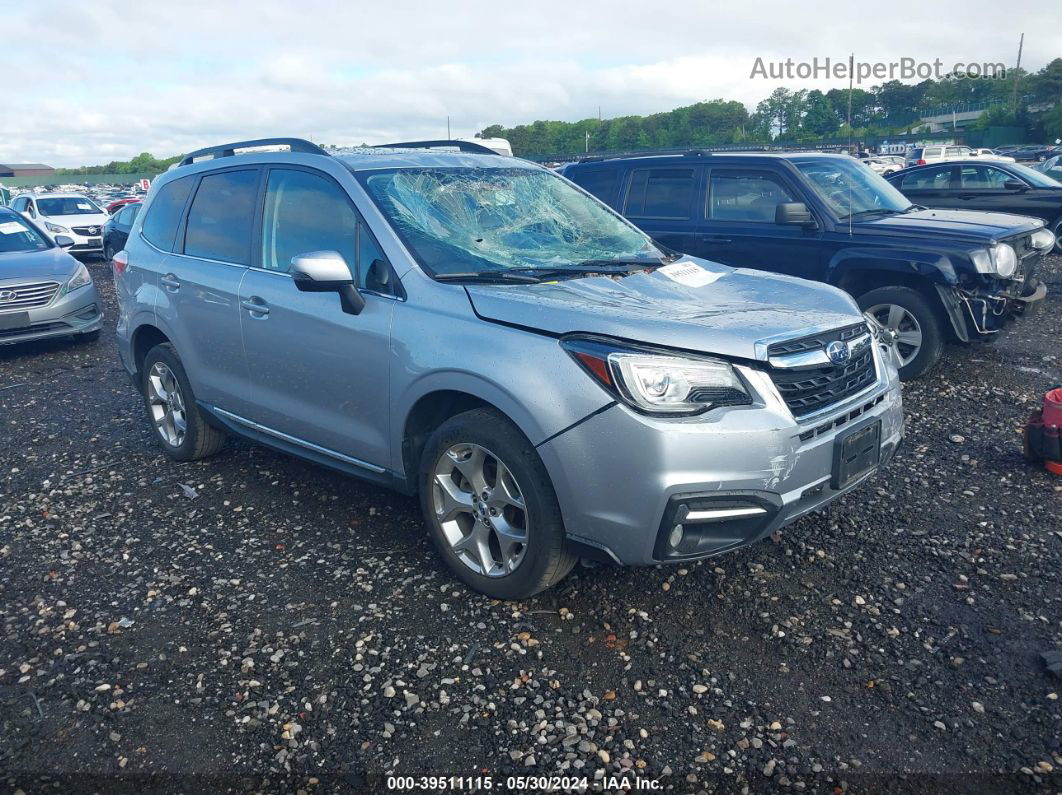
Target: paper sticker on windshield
[689, 274]
[11, 228]
[84, 206]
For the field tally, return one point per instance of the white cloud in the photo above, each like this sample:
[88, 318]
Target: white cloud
[88, 83]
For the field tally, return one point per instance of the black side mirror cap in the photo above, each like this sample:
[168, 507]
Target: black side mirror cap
[1014, 184]
[793, 213]
[63, 241]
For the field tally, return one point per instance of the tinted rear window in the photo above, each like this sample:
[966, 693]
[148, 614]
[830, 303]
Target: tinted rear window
[915, 154]
[221, 217]
[660, 193]
[160, 223]
[599, 181]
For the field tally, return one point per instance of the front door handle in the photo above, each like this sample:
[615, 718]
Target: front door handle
[170, 282]
[716, 239]
[256, 306]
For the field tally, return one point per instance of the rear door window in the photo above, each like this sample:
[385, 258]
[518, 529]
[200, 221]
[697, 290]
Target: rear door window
[164, 215]
[661, 193]
[930, 179]
[745, 196]
[601, 182]
[221, 217]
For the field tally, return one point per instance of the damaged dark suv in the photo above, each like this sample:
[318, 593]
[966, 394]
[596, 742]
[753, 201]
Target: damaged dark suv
[925, 277]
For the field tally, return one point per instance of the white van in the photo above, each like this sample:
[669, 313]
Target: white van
[940, 153]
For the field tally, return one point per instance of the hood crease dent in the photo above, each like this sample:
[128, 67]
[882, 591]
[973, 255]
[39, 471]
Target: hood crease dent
[727, 317]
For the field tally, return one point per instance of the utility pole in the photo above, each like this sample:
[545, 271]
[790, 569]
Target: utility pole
[1017, 70]
[447, 128]
[587, 150]
[599, 113]
[851, 81]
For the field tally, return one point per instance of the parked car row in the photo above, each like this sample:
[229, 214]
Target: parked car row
[671, 358]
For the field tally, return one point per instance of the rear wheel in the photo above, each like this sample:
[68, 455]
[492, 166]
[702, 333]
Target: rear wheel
[180, 427]
[490, 507]
[909, 324]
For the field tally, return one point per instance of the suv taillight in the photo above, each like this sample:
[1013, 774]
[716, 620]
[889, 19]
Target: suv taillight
[120, 262]
[920, 163]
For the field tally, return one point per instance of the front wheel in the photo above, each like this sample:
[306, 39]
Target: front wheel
[490, 507]
[909, 325]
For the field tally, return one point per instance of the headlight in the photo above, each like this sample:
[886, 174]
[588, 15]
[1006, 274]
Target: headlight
[55, 228]
[1000, 260]
[657, 382]
[1043, 239]
[81, 278]
[1005, 259]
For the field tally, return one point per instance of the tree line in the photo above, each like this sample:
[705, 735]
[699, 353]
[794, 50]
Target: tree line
[801, 116]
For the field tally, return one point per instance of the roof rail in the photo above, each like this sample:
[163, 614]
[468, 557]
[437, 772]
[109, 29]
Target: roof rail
[228, 150]
[463, 146]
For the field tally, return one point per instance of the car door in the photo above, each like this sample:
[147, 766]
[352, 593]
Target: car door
[927, 186]
[199, 284]
[984, 187]
[740, 229]
[662, 200]
[319, 376]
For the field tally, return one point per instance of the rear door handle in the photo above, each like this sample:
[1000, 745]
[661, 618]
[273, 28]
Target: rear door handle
[256, 306]
[170, 282]
[716, 239]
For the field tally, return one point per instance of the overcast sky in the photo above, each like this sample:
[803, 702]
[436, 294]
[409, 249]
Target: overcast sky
[90, 82]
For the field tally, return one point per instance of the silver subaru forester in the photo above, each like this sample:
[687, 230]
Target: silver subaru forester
[476, 330]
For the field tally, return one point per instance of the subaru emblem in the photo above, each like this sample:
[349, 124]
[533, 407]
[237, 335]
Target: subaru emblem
[837, 352]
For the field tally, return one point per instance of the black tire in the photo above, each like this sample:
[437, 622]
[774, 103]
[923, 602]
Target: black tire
[546, 559]
[108, 253]
[200, 439]
[928, 319]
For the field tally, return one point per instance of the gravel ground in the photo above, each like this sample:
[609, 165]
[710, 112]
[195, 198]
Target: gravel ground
[253, 622]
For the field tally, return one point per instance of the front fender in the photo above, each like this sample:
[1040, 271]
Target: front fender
[934, 266]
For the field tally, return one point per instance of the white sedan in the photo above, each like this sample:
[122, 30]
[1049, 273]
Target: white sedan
[70, 214]
[991, 154]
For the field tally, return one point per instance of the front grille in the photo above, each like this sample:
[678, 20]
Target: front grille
[27, 296]
[806, 390]
[40, 328]
[817, 341]
[88, 231]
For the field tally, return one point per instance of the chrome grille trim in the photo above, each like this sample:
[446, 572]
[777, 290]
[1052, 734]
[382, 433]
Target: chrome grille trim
[28, 296]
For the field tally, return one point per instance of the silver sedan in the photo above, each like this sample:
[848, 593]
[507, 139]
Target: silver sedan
[44, 292]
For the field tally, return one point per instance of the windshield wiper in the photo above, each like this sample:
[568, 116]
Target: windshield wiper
[619, 262]
[873, 211]
[488, 277]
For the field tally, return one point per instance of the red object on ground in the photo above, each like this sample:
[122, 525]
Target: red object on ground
[1053, 407]
[1054, 467]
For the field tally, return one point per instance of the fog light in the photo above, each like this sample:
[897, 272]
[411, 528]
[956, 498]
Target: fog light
[677, 534]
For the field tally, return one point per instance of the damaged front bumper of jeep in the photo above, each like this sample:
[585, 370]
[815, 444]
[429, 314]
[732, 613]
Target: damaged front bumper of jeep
[981, 307]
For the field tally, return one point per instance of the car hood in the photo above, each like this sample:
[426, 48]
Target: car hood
[27, 266]
[93, 219]
[966, 225]
[737, 314]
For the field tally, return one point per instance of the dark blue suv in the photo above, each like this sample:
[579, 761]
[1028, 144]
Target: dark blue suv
[923, 276]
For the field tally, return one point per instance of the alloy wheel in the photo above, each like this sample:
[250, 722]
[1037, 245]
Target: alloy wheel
[166, 404]
[898, 330]
[480, 507]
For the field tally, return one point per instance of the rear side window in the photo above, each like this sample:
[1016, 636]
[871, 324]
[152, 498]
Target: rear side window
[160, 223]
[221, 217]
[916, 154]
[932, 179]
[601, 182]
[660, 193]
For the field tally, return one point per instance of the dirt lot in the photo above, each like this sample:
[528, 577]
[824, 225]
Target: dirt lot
[253, 622]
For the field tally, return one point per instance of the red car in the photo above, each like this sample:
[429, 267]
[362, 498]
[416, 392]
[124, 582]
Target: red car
[114, 206]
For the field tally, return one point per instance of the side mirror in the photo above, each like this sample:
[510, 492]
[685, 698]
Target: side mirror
[1014, 184]
[63, 241]
[327, 272]
[793, 213]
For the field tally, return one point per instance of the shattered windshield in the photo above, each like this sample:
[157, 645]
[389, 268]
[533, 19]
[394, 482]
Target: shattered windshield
[490, 220]
[852, 189]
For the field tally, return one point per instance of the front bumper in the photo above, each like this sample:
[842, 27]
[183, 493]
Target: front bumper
[79, 312]
[620, 475]
[83, 243]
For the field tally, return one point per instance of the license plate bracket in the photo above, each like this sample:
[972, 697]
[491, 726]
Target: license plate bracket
[856, 452]
[12, 320]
